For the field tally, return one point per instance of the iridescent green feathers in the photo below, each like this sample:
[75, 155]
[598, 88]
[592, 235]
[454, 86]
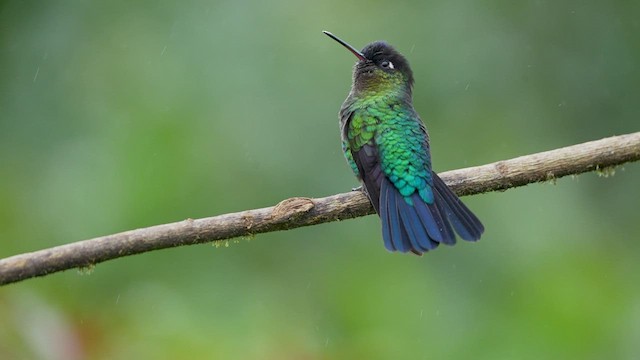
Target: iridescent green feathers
[401, 141]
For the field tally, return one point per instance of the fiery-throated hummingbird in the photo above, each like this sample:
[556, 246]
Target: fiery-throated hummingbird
[387, 146]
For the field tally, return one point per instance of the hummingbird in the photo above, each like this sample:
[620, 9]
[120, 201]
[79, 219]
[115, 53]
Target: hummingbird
[387, 146]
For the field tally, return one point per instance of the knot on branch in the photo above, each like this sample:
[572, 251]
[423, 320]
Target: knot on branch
[292, 208]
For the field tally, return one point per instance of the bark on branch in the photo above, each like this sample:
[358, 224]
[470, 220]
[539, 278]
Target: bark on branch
[299, 211]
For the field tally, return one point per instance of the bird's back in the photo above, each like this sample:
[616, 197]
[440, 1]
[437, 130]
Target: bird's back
[394, 130]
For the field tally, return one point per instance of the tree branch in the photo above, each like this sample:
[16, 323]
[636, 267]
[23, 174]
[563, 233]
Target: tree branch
[297, 212]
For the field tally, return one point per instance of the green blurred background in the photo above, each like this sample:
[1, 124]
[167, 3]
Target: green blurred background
[115, 116]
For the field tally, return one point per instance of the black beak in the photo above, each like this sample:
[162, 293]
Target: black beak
[355, 52]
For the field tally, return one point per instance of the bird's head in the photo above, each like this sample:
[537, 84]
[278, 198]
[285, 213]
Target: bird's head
[380, 68]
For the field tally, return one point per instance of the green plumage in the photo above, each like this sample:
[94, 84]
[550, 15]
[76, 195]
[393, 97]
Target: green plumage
[392, 126]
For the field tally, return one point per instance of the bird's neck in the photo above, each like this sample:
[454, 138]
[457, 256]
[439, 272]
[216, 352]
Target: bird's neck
[380, 97]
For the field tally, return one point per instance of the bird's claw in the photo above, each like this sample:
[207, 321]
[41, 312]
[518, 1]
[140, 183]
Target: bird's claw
[359, 188]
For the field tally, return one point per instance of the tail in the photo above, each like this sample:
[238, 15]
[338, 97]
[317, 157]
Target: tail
[420, 227]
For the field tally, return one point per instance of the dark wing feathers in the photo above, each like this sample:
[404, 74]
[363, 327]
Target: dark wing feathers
[370, 171]
[464, 221]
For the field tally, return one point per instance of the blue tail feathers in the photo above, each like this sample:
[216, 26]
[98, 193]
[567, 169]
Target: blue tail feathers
[420, 227]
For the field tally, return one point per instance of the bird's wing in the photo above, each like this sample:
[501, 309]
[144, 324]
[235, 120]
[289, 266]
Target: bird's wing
[362, 155]
[368, 163]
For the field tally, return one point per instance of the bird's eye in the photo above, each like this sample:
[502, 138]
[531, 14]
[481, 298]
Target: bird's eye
[387, 64]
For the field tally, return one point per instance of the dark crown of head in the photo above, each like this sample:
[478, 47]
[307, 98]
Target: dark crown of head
[380, 51]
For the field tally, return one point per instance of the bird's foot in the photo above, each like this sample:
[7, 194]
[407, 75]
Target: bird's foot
[359, 188]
